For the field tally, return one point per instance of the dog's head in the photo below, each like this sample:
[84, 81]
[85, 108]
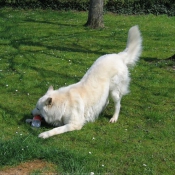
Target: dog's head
[44, 105]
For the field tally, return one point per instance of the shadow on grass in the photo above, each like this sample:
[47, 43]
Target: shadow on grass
[48, 22]
[147, 59]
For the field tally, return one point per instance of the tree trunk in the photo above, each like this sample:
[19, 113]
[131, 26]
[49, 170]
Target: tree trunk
[95, 16]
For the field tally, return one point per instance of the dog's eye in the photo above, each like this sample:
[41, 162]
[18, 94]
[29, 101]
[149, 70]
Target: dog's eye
[37, 109]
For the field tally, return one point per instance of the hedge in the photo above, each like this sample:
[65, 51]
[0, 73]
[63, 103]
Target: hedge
[117, 6]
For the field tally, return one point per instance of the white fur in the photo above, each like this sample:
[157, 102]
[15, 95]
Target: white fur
[72, 106]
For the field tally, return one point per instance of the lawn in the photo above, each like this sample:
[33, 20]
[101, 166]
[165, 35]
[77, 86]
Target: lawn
[42, 48]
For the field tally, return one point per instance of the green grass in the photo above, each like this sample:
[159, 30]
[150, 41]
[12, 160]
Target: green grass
[43, 48]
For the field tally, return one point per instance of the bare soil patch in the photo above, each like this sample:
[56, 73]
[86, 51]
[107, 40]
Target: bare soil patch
[29, 167]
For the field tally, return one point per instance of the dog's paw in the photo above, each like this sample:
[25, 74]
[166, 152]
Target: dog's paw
[44, 135]
[113, 120]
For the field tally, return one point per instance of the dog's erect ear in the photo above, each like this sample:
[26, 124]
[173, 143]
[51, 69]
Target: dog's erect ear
[48, 101]
[50, 89]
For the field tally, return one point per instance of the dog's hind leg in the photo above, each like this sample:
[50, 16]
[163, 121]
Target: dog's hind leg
[116, 97]
[59, 130]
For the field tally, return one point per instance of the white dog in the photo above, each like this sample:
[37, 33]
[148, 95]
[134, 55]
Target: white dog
[72, 106]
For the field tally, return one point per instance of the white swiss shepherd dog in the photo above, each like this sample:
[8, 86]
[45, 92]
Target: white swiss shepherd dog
[69, 108]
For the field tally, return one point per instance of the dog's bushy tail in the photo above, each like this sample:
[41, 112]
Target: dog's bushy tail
[134, 46]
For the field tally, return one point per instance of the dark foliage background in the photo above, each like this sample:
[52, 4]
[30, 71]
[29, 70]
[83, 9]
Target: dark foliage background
[117, 6]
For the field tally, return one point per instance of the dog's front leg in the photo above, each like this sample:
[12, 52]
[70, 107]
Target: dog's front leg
[59, 130]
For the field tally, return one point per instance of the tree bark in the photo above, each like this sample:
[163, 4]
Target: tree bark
[95, 15]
